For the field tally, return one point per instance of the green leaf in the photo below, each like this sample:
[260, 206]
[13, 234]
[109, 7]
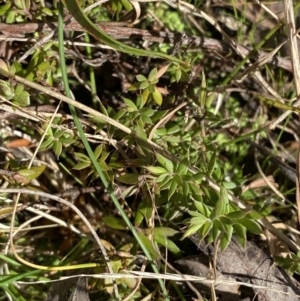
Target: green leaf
[47, 143]
[172, 188]
[236, 214]
[162, 178]
[33, 172]
[74, 8]
[82, 157]
[203, 91]
[82, 165]
[226, 220]
[114, 223]
[145, 96]
[254, 215]
[211, 164]
[205, 229]
[67, 139]
[170, 245]
[226, 237]
[130, 104]
[215, 233]
[241, 233]
[6, 89]
[251, 225]
[58, 133]
[22, 99]
[219, 225]
[144, 85]
[202, 208]
[157, 96]
[127, 5]
[129, 178]
[57, 148]
[178, 75]
[229, 185]
[221, 205]
[191, 230]
[198, 176]
[164, 231]
[198, 220]
[144, 210]
[4, 8]
[182, 167]
[10, 17]
[157, 170]
[141, 78]
[167, 164]
[152, 74]
[149, 246]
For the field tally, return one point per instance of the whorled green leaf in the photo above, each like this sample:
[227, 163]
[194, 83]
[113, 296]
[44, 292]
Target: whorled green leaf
[145, 210]
[67, 139]
[103, 157]
[251, 225]
[130, 104]
[226, 237]
[22, 99]
[215, 233]
[47, 11]
[10, 17]
[141, 78]
[166, 183]
[4, 8]
[144, 85]
[3, 65]
[203, 91]
[219, 225]
[167, 243]
[114, 223]
[241, 233]
[82, 157]
[198, 220]
[6, 89]
[205, 229]
[166, 163]
[254, 215]
[157, 96]
[152, 74]
[162, 177]
[47, 143]
[236, 214]
[32, 173]
[145, 95]
[126, 4]
[157, 170]
[185, 188]
[226, 220]
[172, 188]
[58, 133]
[202, 208]
[164, 231]
[182, 167]
[82, 165]
[148, 244]
[221, 205]
[57, 148]
[212, 163]
[194, 213]
[191, 230]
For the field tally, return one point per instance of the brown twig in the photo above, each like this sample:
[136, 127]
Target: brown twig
[120, 31]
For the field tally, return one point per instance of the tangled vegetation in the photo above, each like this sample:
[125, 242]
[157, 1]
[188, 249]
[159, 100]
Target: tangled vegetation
[128, 127]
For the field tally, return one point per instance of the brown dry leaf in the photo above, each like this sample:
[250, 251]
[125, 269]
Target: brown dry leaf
[254, 266]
